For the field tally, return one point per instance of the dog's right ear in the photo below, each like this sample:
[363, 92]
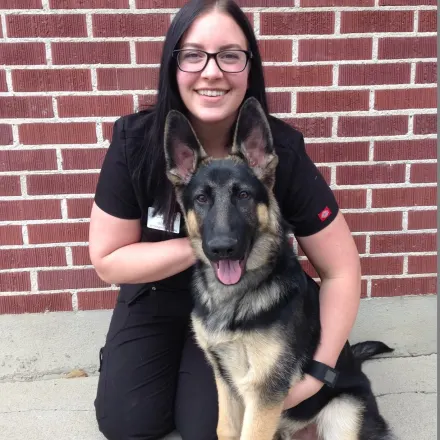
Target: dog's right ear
[182, 148]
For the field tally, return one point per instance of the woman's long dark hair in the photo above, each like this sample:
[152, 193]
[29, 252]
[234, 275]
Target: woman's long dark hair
[150, 178]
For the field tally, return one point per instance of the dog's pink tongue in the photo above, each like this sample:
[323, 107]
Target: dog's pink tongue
[229, 271]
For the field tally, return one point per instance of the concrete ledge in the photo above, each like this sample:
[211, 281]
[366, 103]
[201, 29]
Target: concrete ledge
[47, 345]
[63, 408]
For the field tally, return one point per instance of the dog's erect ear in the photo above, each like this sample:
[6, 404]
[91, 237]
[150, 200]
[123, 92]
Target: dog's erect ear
[182, 148]
[253, 139]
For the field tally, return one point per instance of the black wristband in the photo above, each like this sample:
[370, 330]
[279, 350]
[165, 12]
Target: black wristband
[323, 372]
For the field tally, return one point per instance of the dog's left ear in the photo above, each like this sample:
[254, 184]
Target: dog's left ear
[182, 148]
[253, 140]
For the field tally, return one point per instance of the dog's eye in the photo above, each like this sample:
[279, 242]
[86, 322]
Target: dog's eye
[202, 198]
[243, 195]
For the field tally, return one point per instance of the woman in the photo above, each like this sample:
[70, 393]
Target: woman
[153, 378]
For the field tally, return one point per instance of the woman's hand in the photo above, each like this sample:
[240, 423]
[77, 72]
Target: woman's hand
[302, 390]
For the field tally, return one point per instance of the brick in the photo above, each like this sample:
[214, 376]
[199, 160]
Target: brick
[408, 149]
[157, 4]
[22, 53]
[6, 137]
[62, 183]
[402, 243]
[360, 242]
[44, 80]
[382, 265]
[108, 52]
[107, 129]
[10, 186]
[312, 127]
[23, 160]
[128, 79]
[297, 23]
[326, 173]
[407, 47]
[30, 210]
[332, 3]
[130, 25]
[351, 199]
[78, 106]
[405, 99]
[58, 233]
[396, 197]
[101, 300]
[425, 124]
[426, 73]
[374, 221]
[35, 303]
[36, 257]
[279, 102]
[275, 50]
[376, 21]
[347, 100]
[79, 208]
[3, 85]
[148, 52]
[80, 256]
[422, 264]
[423, 172]
[406, 2]
[145, 102]
[69, 279]
[374, 74]
[57, 133]
[10, 235]
[335, 49]
[338, 151]
[89, 4]
[404, 286]
[15, 282]
[370, 174]
[354, 126]
[26, 107]
[46, 26]
[422, 220]
[428, 21]
[81, 159]
[21, 4]
[298, 76]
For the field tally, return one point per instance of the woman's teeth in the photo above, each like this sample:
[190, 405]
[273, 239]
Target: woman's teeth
[212, 92]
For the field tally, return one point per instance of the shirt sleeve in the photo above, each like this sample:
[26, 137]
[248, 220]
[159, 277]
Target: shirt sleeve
[309, 204]
[114, 191]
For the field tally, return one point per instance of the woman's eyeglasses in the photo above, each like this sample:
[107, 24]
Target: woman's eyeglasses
[195, 60]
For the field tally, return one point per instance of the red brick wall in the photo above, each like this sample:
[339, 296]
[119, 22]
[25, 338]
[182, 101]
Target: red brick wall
[358, 77]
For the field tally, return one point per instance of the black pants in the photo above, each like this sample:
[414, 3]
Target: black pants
[153, 377]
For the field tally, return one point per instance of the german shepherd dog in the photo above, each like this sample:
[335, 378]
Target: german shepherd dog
[256, 312]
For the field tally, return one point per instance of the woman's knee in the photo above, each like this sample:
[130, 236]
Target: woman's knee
[121, 422]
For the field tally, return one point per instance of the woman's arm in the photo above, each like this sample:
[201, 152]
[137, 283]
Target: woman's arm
[333, 253]
[118, 256]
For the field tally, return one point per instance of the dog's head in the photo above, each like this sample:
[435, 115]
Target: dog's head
[230, 212]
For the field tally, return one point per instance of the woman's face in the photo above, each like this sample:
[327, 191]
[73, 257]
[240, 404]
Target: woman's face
[212, 95]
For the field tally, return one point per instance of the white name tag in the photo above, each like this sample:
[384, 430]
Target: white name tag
[157, 221]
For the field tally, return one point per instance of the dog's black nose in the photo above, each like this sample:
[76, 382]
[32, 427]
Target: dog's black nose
[222, 247]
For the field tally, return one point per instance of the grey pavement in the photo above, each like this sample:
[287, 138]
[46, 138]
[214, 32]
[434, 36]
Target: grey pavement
[38, 402]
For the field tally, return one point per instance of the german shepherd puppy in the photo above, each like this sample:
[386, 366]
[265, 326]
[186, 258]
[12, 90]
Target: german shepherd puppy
[256, 312]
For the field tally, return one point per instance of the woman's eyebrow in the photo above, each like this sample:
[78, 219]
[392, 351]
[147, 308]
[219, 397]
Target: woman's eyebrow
[200, 46]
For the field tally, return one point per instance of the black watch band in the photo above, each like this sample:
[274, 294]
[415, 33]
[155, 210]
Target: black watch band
[323, 372]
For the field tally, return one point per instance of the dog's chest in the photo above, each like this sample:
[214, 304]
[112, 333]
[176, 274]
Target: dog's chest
[245, 358]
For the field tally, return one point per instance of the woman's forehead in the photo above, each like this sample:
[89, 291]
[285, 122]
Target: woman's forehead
[213, 31]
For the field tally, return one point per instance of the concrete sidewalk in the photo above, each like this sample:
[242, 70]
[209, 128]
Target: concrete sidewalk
[36, 351]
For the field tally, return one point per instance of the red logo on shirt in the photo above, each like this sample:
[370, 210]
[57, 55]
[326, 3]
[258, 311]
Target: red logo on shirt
[324, 214]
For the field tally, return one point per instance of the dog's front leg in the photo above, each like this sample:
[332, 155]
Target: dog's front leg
[261, 419]
[231, 410]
